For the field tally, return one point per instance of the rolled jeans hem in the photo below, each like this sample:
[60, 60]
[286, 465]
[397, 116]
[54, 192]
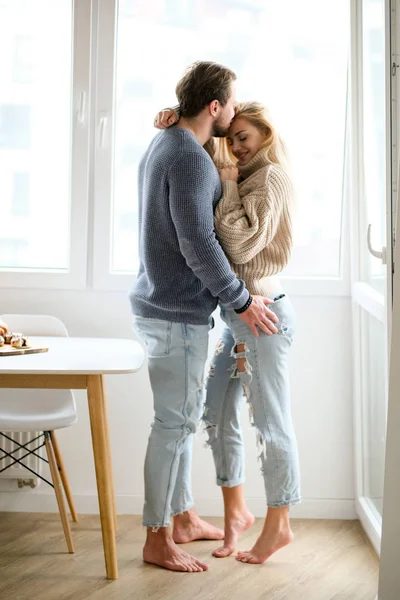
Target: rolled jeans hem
[185, 509]
[230, 483]
[282, 504]
[156, 525]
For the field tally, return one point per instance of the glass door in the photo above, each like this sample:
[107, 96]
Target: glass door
[371, 291]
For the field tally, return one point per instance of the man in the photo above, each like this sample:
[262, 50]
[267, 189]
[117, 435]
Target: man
[183, 273]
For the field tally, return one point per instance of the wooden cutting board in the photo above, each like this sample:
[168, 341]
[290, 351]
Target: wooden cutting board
[8, 350]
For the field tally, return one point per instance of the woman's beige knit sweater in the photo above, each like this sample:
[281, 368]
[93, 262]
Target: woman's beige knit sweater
[253, 222]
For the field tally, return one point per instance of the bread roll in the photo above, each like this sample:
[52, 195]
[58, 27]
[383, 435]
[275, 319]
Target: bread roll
[7, 337]
[17, 342]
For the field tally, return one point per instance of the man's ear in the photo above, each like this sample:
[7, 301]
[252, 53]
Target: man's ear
[214, 108]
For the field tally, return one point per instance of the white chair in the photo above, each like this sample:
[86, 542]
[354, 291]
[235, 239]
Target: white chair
[43, 411]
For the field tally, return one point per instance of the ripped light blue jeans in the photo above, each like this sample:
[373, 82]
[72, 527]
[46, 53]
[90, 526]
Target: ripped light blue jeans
[177, 353]
[265, 383]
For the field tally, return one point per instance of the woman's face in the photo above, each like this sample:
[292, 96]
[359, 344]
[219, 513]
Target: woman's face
[244, 139]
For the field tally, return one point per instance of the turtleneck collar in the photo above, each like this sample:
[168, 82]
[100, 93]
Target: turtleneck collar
[258, 161]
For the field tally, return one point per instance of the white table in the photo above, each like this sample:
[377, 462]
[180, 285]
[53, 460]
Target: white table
[81, 363]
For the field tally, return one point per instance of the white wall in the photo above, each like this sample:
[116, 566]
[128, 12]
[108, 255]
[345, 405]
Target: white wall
[322, 408]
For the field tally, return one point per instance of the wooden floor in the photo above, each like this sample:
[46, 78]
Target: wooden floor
[329, 560]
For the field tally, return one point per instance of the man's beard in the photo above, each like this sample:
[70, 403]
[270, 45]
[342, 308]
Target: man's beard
[219, 130]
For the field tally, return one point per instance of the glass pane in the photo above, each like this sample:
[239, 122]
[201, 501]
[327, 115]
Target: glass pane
[374, 136]
[375, 408]
[35, 133]
[296, 66]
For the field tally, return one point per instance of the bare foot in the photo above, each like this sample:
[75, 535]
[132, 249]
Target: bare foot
[169, 556]
[269, 542]
[234, 525]
[189, 527]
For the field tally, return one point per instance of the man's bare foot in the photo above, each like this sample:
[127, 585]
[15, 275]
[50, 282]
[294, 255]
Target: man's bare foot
[269, 542]
[189, 527]
[234, 525]
[165, 553]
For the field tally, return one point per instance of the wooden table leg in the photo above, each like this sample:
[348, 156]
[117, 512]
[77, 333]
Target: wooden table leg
[102, 454]
[110, 467]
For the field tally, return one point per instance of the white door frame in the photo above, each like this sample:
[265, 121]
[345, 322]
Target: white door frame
[389, 576]
[365, 298]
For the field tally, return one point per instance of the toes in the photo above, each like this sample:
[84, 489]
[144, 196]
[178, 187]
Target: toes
[196, 564]
[194, 567]
[202, 566]
[189, 569]
[193, 564]
[243, 556]
[247, 557]
[223, 552]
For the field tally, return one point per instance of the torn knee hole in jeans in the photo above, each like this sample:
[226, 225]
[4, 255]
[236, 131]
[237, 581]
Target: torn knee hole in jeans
[261, 444]
[239, 353]
[282, 329]
[210, 428]
[211, 372]
[199, 388]
[262, 448]
[218, 350]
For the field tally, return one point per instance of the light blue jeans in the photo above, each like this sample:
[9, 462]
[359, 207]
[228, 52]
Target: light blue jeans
[265, 382]
[177, 354]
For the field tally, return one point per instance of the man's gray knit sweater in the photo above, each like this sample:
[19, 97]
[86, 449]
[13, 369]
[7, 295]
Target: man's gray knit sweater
[183, 269]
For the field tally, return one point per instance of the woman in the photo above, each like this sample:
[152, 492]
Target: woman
[253, 222]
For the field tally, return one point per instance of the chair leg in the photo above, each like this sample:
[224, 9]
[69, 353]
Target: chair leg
[63, 475]
[57, 488]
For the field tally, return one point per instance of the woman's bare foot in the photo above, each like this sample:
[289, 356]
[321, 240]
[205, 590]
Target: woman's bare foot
[235, 524]
[161, 550]
[268, 543]
[188, 527]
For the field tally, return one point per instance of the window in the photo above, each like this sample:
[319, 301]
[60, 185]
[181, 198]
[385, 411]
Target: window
[15, 127]
[38, 172]
[20, 198]
[297, 67]
[23, 65]
[374, 136]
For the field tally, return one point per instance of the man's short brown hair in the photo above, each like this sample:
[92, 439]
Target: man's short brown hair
[202, 83]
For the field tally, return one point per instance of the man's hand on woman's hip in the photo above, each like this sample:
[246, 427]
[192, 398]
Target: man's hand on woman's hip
[258, 315]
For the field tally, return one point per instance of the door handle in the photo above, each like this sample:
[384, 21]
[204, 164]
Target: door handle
[102, 129]
[378, 254]
[82, 108]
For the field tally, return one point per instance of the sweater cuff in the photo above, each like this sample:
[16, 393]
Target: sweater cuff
[230, 191]
[241, 301]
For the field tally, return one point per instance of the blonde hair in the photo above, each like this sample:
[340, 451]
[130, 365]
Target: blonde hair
[273, 145]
